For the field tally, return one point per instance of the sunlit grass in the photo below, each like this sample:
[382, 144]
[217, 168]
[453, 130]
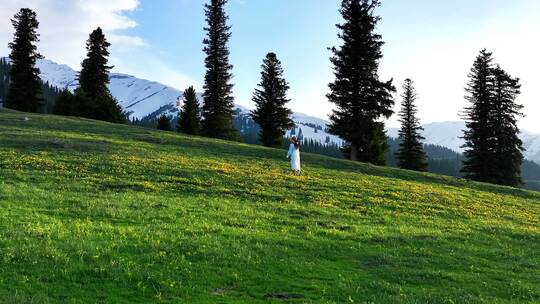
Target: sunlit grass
[95, 212]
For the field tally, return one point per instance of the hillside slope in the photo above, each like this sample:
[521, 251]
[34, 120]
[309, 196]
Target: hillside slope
[94, 212]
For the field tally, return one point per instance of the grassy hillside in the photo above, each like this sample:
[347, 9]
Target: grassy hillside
[97, 213]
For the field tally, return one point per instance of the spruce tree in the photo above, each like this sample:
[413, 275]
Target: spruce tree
[189, 119]
[24, 92]
[509, 147]
[218, 108]
[270, 99]
[94, 80]
[410, 155]
[164, 123]
[479, 136]
[361, 99]
[94, 76]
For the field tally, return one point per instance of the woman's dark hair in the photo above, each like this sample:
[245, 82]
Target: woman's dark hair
[296, 143]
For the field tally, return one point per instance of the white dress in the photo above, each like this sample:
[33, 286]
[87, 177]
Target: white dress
[294, 154]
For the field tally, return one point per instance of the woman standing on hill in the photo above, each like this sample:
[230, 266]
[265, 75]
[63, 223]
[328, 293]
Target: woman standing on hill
[294, 155]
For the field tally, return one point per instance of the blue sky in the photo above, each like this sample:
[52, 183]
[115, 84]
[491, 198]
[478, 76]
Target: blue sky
[434, 42]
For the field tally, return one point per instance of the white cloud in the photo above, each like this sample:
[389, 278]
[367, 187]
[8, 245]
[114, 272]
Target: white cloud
[126, 41]
[66, 24]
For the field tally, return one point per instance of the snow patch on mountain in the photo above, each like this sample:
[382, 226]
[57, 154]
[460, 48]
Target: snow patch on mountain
[58, 75]
[138, 97]
[141, 97]
[446, 134]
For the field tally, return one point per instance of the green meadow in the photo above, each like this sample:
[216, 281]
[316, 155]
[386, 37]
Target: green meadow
[92, 212]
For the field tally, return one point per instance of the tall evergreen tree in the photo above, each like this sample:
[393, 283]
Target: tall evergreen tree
[509, 147]
[164, 123]
[189, 119]
[270, 99]
[217, 111]
[479, 136]
[361, 99]
[24, 92]
[94, 76]
[411, 153]
[93, 80]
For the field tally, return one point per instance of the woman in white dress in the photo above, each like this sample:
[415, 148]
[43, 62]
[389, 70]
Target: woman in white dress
[294, 155]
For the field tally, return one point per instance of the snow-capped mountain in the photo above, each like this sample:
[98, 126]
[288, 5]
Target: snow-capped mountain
[448, 134]
[140, 98]
[445, 134]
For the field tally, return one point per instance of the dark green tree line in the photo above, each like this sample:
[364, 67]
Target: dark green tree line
[164, 123]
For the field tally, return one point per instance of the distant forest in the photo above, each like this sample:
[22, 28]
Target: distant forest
[50, 93]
